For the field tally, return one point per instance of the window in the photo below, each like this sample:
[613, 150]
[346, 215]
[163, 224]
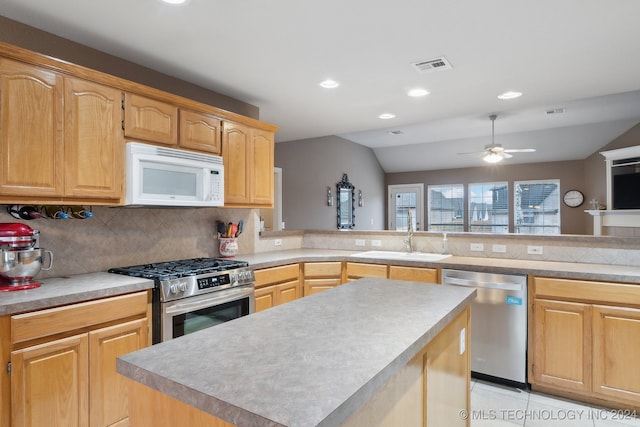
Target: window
[489, 207]
[446, 207]
[537, 207]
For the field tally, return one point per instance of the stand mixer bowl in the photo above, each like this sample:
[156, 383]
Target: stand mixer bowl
[20, 266]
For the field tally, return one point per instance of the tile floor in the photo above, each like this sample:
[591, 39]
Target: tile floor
[497, 406]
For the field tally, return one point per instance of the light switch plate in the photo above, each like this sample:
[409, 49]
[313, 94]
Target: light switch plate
[360, 242]
[277, 242]
[376, 243]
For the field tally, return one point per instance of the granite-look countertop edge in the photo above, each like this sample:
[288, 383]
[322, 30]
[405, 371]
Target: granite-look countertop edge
[310, 362]
[566, 270]
[68, 290]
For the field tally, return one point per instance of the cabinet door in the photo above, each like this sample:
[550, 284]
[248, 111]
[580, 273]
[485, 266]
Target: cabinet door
[31, 131]
[416, 274]
[151, 120]
[358, 270]
[200, 131]
[94, 143]
[265, 298]
[49, 384]
[235, 143]
[288, 291]
[261, 167]
[109, 397]
[562, 344]
[616, 349]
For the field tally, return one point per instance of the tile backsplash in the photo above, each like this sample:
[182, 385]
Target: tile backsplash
[117, 237]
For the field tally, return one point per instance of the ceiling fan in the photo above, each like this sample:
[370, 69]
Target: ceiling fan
[493, 153]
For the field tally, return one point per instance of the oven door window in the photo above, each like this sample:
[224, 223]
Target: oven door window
[193, 321]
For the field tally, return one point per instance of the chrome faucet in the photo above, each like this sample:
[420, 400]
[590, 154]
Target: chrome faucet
[408, 242]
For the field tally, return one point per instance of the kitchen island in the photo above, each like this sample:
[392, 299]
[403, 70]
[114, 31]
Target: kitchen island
[372, 352]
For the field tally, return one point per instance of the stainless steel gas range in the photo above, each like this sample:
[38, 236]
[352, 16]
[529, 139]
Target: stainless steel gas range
[194, 294]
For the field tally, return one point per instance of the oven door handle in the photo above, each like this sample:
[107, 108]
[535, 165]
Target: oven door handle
[186, 306]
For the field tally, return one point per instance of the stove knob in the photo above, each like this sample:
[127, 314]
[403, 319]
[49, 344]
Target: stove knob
[233, 277]
[183, 286]
[173, 288]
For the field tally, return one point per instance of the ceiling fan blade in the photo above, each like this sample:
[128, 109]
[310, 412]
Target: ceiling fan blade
[506, 155]
[520, 150]
[472, 152]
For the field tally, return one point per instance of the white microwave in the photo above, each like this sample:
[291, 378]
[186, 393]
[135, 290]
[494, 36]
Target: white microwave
[159, 176]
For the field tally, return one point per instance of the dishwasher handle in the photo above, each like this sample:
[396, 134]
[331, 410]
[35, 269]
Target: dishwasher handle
[478, 284]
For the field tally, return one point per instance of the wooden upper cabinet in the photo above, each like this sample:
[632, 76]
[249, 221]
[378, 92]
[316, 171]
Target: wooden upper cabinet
[235, 146]
[261, 167]
[94, 142]
[150, 120]
[248, 165]
[31, 131]
[200, 131]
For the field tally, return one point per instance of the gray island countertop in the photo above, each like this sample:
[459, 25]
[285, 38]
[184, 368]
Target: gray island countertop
[311, 362]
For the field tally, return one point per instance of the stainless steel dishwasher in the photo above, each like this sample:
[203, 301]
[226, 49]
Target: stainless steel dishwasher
[498, 324]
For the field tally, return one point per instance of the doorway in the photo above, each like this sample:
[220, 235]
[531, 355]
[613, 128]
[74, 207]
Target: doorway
[405, 198]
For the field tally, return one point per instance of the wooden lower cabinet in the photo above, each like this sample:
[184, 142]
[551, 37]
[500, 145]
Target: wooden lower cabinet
[50, 383]
[321, 276]
[358, 270]
[616, 344]
[585, 339]
[562, 338]
[277, 285]
[414, 274]
[71, 379]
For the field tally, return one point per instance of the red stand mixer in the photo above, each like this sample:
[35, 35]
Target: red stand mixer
[20, 260]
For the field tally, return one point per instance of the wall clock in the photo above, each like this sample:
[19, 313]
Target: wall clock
[573, 198]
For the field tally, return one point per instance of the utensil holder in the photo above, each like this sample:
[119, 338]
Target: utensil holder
[228, 247]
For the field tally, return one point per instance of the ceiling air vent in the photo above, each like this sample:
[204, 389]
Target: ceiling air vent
[431, 65]
[395, 132]
[556, 111]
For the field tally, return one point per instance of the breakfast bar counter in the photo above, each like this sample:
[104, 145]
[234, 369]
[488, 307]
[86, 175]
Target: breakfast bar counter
[317, 361]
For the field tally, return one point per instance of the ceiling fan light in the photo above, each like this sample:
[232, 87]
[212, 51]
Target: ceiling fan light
[492, 158]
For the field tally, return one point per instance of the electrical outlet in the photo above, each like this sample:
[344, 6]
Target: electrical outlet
[476, 247]
[534, 250]
[360, 242]
[499, 248]
[277, 242]
[376, 243]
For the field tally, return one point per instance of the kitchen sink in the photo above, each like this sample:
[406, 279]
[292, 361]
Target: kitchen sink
[410, 256]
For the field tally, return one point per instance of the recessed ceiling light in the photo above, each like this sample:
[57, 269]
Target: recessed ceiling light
[510, 95]
[329, 84]
[416, 93]
[396, 132]
[386, 116]
[175, 1]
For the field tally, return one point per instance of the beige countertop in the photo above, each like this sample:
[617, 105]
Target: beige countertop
[85, 287]
[569, 270]
[68, 290]
[311, 362]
